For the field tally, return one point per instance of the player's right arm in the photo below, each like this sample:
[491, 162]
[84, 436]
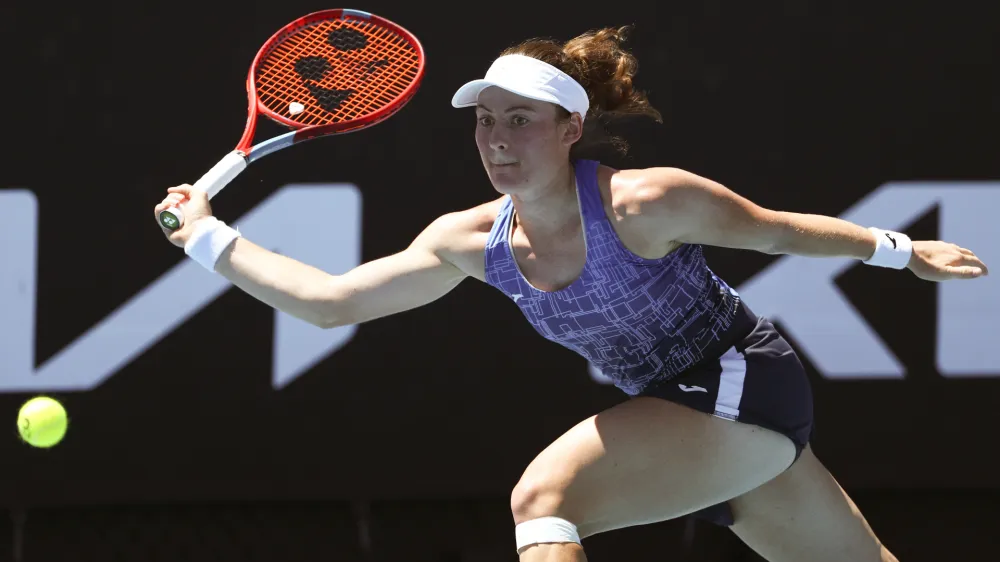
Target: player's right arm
[415, 276]
[402, 281]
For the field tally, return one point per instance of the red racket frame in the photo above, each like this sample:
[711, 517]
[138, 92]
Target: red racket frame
[312, 131]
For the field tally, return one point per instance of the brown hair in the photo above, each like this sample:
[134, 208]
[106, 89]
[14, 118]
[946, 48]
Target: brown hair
[597, 60]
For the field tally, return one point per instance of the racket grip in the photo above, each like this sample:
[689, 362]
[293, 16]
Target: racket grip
[211, 183]
[171, 218]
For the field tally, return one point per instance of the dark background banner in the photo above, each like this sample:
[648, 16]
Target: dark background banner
[802, 106]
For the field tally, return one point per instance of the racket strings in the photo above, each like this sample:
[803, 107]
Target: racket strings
[338, 70]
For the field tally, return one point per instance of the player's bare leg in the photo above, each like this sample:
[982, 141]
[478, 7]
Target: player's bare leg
[804, 514]
[642, 461]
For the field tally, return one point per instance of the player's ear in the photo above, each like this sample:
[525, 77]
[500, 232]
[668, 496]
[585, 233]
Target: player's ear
[573, 129]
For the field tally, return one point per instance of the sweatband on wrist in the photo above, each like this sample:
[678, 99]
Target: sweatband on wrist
[892, 249]
[211, 237]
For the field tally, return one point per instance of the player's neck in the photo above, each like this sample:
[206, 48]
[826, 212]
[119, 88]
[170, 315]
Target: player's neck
[553, 209]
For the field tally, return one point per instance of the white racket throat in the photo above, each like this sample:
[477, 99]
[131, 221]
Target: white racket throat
[221, 174]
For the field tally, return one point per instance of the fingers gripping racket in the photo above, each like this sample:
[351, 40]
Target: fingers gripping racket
[330, 72]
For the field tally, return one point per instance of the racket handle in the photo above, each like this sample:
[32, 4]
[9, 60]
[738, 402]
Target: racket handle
[171, 218]
[211, 183]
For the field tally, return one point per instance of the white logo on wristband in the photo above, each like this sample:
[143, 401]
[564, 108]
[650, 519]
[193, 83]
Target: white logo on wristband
[892, 249]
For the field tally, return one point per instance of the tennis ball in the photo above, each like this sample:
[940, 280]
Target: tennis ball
[42, 422]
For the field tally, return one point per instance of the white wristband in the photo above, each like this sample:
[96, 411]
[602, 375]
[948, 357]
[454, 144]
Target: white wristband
[209, 240]
[892, 249]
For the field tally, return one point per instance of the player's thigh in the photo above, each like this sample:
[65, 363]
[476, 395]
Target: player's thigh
[804, 514]
[646, 460]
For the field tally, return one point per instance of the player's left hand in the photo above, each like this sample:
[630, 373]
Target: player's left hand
[934, 260]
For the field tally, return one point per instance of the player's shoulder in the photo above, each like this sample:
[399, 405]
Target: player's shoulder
[460, 237]
[640, 201]
[474, 220]
[463, 231]
[635, 192]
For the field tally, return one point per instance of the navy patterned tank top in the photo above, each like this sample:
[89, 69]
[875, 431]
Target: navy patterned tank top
[638, 320]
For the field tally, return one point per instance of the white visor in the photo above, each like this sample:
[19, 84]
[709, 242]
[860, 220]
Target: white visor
[528, 77]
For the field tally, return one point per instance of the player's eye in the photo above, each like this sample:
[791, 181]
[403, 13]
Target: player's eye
[519, 120]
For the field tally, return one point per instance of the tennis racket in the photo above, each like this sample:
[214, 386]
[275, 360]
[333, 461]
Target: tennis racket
[326, 73]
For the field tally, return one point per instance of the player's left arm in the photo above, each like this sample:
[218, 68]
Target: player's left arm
[692, 209]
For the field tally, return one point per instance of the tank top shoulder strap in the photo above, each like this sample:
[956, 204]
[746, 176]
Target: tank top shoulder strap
[501, 224]
[591, 205]
[497, 254]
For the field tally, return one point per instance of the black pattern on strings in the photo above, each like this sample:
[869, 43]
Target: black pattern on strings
[347, 39]
[312, 68]
[329, 99]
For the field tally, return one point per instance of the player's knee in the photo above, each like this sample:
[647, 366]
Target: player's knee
[538, 515]
[532, 499]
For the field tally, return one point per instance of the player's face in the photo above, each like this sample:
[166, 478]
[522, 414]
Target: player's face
[521, 141]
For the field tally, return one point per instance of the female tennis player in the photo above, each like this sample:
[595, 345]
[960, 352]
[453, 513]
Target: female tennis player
[609, 264]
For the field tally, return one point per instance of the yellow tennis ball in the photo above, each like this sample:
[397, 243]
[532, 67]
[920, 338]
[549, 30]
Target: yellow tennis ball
[42, 422]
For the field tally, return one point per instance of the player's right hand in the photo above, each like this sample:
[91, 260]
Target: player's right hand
[195, 206]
